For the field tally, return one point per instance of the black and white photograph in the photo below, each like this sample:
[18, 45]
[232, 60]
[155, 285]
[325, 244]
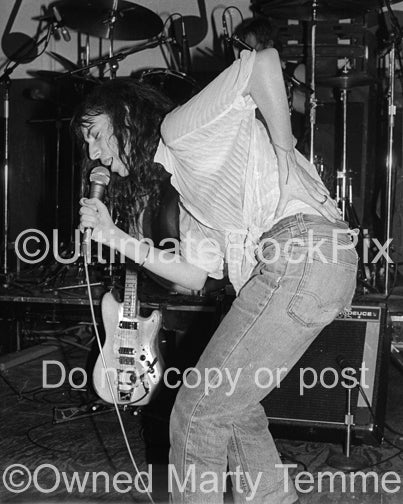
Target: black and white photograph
[201, 257]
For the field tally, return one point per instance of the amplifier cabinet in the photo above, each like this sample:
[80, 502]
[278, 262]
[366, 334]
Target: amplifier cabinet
[311, 401]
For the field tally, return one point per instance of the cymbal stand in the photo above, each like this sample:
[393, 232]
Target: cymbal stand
[5, 78]
[344, 190]
[119, 56]
[113, 65]
[395, 46]
[389, 159]
[312, 100]
[6, 108]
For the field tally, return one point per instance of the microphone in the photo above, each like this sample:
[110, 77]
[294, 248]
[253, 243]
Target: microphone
[228, 52]
[296, 82]
[225, 27]
[241, 43]
[185, 61]
[99, 178]
[60, 25]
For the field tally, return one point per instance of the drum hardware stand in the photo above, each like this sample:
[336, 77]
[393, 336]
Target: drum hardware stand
[113, 63]
[6, 107]
[395, 46]
[344, 193]
[345, 461]
[344, 189]
[312, 99]
[119, 56]
[5, 78]
[389, 162]
[344, 185]
[75, 286]
[230, 39]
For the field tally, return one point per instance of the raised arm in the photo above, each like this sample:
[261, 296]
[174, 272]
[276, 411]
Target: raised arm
[266, 86]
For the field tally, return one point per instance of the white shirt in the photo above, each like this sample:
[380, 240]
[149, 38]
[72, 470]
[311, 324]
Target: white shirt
[225, 169]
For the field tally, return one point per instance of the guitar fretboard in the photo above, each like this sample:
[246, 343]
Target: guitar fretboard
[130, 295]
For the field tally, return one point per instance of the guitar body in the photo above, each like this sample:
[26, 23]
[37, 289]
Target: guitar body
[133, 360]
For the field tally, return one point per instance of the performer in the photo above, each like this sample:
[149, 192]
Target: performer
[252, 206]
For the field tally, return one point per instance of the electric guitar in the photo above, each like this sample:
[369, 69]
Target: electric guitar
[133, 360]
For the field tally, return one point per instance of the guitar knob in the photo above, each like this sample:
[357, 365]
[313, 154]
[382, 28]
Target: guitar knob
[133, 378]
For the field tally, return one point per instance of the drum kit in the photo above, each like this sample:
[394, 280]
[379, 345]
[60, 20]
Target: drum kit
[110, 20]
[314, 11]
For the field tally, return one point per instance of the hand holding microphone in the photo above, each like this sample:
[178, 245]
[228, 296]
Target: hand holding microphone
[94, 214]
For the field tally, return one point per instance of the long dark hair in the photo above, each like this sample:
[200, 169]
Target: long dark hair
[135, 111]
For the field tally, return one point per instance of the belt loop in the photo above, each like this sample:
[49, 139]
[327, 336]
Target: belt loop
[301, 223]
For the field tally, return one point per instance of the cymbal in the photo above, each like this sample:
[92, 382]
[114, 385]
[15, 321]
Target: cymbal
[47, 75]
[132, 21]
[346, 81]
[51, 76]
[65, 62]
[326, 9]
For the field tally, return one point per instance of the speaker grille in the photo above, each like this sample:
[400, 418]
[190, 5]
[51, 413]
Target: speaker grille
[314, 393]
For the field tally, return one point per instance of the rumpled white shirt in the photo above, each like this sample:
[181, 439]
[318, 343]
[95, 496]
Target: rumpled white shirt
[225, 169]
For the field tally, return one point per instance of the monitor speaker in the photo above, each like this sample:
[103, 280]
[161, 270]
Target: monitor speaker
[310, 403]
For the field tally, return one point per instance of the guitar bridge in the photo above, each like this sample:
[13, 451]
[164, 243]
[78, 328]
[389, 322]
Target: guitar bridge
[128, 382]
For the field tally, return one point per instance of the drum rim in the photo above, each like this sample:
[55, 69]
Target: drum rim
[169, 71]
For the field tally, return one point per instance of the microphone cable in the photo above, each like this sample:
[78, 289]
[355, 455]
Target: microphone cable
[122, 427]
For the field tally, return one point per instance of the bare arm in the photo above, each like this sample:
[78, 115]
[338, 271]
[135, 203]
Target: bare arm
[267, 89]
[172, 267]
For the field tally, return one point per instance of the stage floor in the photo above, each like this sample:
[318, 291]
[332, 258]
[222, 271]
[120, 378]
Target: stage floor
[88, 444]
[52, 431]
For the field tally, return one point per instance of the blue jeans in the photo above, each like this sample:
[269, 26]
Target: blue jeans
[306, 275]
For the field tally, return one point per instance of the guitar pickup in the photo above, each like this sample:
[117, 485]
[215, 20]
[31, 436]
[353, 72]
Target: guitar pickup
[126, 350]
[127, 324]
[130, 361]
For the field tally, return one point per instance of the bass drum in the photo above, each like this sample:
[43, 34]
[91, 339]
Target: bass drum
[177, 86]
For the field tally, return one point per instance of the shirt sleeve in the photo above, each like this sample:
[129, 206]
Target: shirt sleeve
[225, 91]
[198, 248]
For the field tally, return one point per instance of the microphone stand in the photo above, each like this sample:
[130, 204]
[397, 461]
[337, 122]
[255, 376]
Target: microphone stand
[6, 107]
[229, 55]
[345, 461]
[118, 56]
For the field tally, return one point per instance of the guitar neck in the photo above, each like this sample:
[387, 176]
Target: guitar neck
[130, 295]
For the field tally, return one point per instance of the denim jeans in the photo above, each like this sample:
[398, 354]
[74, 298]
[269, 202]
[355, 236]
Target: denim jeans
[306, 275]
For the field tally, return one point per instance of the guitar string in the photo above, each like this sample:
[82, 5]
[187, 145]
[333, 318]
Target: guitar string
[132, 310]
[122, 427]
